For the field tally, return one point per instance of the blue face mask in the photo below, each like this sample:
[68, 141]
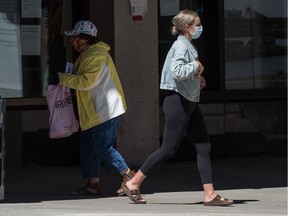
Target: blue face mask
[198, 32]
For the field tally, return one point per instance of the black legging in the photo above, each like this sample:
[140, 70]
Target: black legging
[182, 117]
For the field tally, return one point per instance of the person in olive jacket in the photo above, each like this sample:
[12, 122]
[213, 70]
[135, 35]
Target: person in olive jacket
[100, 104]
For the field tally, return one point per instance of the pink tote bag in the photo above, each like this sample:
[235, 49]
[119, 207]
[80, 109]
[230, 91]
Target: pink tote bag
[62, 121]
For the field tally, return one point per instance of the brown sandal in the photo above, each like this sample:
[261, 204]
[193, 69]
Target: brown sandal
[219, 201]
[134, 195]
[89, 189]
[120, 191]
[125, 178]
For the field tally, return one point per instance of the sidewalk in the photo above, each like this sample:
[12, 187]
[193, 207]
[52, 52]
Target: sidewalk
[258, 186]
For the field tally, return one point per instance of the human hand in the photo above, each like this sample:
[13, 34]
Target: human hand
[200, 69]
[57, 77]
[202, 82]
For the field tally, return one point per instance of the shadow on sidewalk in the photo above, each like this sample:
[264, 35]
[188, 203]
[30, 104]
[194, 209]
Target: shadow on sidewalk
[41, 183]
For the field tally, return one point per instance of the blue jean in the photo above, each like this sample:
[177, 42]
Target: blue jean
[96, 146]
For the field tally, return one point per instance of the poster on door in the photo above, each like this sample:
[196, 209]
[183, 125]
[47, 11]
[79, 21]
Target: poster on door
[31, 9]
[31, 39]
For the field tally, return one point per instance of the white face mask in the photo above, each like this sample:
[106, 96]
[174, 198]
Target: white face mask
[197, 33]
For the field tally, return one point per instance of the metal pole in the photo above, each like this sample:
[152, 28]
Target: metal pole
[2, 145]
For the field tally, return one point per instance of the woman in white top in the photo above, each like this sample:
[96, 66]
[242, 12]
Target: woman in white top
[181, 82]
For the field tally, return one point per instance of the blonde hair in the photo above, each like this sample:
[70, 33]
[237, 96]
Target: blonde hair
[181, 19]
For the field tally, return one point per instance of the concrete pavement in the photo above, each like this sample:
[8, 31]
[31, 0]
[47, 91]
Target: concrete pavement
[258, 186]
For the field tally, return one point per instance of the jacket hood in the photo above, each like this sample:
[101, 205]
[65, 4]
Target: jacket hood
[103, 45]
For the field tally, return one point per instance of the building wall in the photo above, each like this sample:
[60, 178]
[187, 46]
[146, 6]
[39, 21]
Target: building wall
[135, 48]
[236, 129]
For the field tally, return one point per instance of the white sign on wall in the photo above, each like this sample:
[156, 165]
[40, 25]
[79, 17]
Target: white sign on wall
[139, 8]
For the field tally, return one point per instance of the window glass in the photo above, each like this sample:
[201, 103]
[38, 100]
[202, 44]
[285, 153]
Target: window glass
[255, 44]
[10, 52]
[32, 46]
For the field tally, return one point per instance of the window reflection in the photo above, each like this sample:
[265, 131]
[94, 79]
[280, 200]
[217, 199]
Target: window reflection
[255, 44]
[32, 47]
[10, 52]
